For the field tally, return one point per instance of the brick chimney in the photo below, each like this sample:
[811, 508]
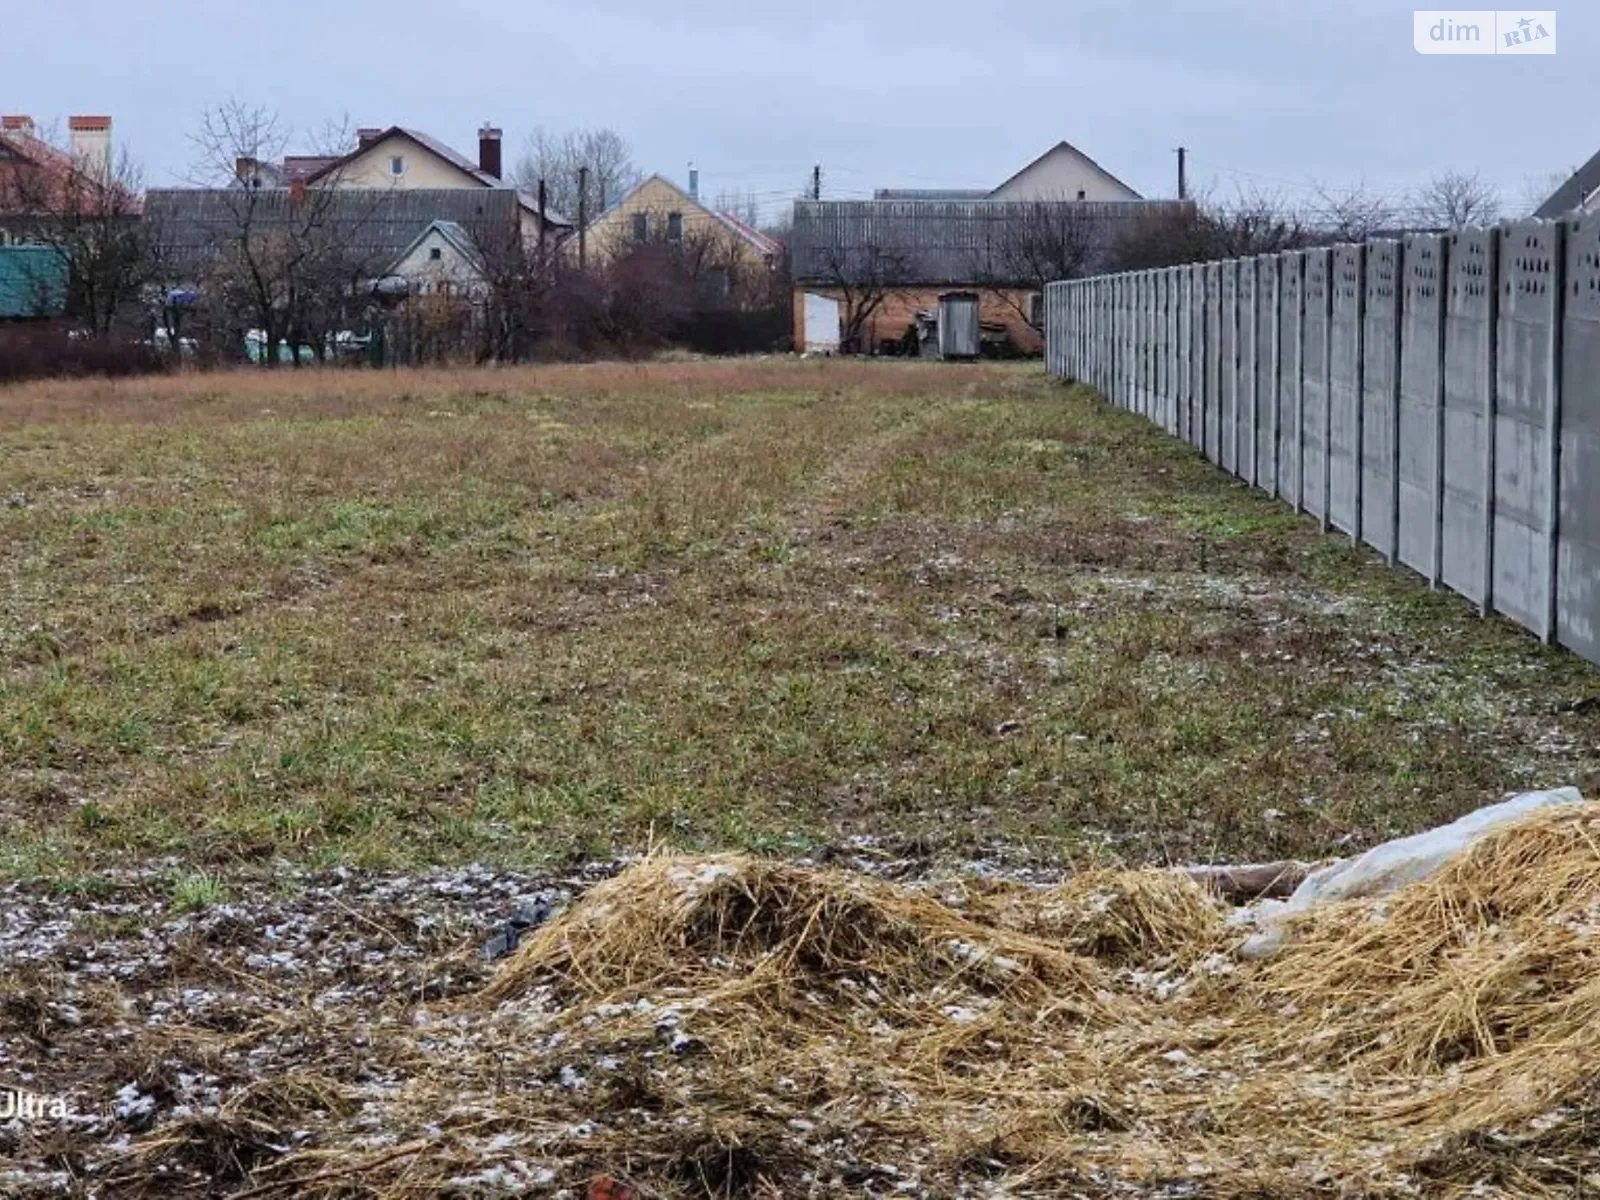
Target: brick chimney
[489, 161]
[17, 123]
[365, 137]
[90, 143]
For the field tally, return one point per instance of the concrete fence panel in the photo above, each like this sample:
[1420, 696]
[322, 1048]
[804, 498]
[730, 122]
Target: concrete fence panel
[1345, 387]
[1470, 305]
[1211, 398]
[1195, 383]
[1315, 365]
[1291, 376]
[1379, 411]
[1525, 424]
[1245, 372]
[1436, 397]
[1269, 415]
[1421, 421]
[1578, 564]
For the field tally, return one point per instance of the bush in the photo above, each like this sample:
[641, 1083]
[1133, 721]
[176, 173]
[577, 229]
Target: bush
[45, 351]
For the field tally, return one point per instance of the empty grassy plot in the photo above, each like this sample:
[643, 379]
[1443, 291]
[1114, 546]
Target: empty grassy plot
[538, 616]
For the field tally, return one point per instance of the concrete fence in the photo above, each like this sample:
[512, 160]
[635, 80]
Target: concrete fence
[1436, 397]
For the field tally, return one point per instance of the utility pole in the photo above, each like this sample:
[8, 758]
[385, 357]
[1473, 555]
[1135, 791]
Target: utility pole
[1183, 172]
[541, 224]
[583, 217]
[816, 182]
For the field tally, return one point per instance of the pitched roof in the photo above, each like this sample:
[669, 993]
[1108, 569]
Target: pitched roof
[754, 238]
[757, 240]
[933, 242]
[1580, 185]
[451, 232]
[1064, 145]
[931, 194]
[303, 166]
[433, 145]
[22, 150]
[374, 226]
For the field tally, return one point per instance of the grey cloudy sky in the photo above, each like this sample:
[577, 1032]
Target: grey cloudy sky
[937, 93]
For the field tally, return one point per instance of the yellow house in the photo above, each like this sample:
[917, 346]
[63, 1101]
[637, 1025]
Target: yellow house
[661, 213]
[408, 158]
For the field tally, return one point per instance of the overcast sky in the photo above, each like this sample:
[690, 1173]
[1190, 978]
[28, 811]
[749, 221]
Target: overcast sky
[936, 93]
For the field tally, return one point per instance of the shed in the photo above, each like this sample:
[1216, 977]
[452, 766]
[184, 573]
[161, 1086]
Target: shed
[33, 282]
[960, 331]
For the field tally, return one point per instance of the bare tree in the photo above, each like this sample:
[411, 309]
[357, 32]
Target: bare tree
[1352, 213]
[86, 210]
[865, 277]
[559, 160]
[1455, 199]
[1536, 189]
[284, 261]
[1030, 244]
[1254, 222]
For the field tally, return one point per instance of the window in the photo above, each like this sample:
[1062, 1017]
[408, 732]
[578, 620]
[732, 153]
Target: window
[641, 227]
[397, 165]
[674, 227]
[1082, 195]
[436, 253]
[1036, 310]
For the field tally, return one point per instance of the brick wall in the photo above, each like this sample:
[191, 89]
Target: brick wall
[1004, 307]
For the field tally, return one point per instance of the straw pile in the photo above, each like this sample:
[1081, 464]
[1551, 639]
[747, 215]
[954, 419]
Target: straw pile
[726, 1027]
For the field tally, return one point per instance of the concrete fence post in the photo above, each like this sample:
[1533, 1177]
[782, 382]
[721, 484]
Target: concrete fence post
[1230, 323]
[1275, 269]
[1555, 351]
[1358, 416]
[1490, 422]
[1436, 567]
[1396, 332]
[1327, 393]
[1298, 265]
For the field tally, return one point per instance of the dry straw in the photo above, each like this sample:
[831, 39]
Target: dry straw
[726, 1026]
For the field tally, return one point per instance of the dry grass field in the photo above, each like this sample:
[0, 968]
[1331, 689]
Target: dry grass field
[305, 679]
[539, 617]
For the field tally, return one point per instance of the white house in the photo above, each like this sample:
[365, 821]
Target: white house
[442, 261]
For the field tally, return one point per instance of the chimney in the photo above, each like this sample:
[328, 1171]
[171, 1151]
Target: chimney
[365, 137]
[17, 124]
[694, 183]
[489, 150]
[90, 142]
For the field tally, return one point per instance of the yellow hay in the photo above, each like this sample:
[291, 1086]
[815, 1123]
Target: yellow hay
[1093, 1038]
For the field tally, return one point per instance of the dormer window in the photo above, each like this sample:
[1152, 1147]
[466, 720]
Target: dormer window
[436, 253]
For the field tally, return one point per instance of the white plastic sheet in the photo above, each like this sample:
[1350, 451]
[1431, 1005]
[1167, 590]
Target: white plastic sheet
[1392, 866]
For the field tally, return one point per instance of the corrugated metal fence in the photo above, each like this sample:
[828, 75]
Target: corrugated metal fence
[1436, 397]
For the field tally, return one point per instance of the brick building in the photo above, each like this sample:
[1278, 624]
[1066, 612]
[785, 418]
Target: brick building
[883, 261]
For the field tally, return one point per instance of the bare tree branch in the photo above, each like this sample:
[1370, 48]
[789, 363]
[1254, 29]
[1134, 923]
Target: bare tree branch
[1455, 199]
[558, 159]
